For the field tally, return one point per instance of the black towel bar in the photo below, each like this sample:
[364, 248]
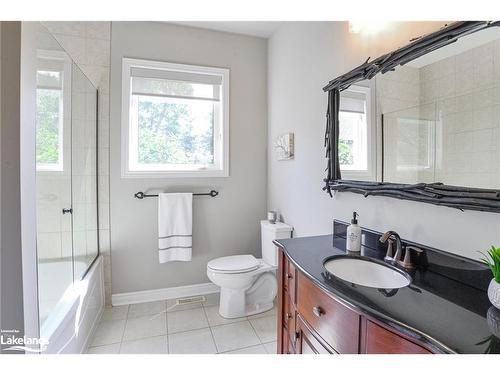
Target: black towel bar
[142, 195]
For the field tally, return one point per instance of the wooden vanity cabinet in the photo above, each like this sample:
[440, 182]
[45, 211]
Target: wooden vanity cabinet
[379, 340]
[313, 321]
[307, 341]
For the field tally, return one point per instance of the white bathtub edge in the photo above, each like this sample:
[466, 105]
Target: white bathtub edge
[71, 333]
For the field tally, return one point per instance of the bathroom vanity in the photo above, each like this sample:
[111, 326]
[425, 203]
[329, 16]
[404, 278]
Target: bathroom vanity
[444, 309]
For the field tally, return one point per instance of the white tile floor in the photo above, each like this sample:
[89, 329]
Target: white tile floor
[146, 328]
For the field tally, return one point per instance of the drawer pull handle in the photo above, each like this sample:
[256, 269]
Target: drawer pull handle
[288, 316]
[318, 311]
[289, 276]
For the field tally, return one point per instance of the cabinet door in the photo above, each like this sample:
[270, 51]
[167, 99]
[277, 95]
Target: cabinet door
[306, 342]
[287, 347]
[289, 316]
[382, 341]
[335, 323]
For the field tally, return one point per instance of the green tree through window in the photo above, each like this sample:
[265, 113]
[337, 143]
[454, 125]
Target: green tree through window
[47, 126]
[175, 131]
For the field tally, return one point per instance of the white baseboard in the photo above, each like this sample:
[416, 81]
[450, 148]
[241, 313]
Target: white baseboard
[162, 294]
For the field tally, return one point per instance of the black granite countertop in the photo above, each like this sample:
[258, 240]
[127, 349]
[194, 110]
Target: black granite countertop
[442, 312]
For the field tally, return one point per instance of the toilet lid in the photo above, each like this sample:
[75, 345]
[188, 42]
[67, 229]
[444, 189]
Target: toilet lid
[234, 263]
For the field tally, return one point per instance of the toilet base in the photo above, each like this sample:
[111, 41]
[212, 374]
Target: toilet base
[249, 310]
[260, 308]
[257, 299]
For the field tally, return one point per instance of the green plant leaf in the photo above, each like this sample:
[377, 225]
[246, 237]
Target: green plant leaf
[492, 260]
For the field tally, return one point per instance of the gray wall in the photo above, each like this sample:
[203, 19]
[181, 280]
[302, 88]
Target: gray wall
[0, 173]
[226, 225]
[28, 176]
[302, 58]
[18, 293]
[11, 256]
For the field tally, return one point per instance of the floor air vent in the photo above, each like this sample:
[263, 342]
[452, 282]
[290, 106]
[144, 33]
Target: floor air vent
[188, 301]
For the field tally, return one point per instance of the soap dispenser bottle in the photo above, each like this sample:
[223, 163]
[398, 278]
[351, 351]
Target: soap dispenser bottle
[353, 241]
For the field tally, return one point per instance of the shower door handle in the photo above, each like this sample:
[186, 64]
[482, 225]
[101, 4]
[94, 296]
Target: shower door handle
[67, 211]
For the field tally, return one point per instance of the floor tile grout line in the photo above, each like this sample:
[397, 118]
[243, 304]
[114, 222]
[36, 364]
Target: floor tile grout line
[211, 327]
[211, 332]
[100, 322]
[255, 331]
[145, 337]
[123, 333]
[245, 347]
[242, 347]
[166, 324]
[124, 327]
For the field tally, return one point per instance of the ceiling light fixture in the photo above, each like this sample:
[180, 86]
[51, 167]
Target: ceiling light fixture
[366, 27]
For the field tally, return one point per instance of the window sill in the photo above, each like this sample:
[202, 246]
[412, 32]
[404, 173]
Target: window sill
[176, 174]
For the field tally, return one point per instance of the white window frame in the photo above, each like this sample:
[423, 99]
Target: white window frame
[371, 140]
[64, 65]
[221, 147]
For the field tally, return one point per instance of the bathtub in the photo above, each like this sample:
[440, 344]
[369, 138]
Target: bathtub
[73, 317]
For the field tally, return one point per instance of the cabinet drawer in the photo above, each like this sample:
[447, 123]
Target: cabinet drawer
[289, 281]
[335, 323]
[382, 341]
[307, 343]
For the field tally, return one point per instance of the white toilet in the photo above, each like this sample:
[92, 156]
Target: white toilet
[247, 284]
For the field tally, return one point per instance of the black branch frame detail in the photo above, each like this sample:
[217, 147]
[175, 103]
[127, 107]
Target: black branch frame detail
[462, 198]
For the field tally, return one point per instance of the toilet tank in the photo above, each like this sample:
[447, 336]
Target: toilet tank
[270, 232]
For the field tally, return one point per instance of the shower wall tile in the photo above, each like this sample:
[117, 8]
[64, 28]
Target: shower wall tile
[107, 268]
[49, 245]
[464, 93]
[69, 28]
[104, 216]
[103, 190]
[104, 241]
[97, 52]
[98, 30]
[88, 44]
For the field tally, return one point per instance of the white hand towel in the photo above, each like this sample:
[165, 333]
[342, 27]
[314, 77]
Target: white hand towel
[175, 226]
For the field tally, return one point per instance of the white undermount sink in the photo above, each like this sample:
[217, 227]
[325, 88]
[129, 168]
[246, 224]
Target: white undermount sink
[366, 272]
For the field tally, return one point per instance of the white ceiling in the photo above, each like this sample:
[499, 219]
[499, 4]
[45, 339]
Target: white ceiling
[263, 29]
[461, 45]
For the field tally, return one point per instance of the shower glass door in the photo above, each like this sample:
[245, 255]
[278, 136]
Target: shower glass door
[66, 172]
[53, 173]
[84, 171]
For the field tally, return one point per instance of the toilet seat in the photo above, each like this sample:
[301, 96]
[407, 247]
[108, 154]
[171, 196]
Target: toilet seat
[234, 264]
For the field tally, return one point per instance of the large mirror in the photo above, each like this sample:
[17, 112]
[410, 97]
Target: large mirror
[423, 122]
[440, 115]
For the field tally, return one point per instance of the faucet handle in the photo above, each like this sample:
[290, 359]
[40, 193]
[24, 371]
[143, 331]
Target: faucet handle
[389, 255]
[406, 263]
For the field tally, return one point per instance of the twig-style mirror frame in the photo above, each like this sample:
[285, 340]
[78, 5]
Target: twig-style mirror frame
[462, 198]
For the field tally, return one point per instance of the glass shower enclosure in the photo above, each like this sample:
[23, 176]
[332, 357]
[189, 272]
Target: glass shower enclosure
[66, 173]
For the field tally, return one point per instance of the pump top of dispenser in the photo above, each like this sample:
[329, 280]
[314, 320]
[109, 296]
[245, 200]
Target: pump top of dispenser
[354, 219]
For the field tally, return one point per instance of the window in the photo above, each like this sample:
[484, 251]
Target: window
[356, 146]
[51, 81]
[175, 120]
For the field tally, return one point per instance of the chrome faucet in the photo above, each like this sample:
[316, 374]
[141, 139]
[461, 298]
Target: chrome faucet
[406, 262]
